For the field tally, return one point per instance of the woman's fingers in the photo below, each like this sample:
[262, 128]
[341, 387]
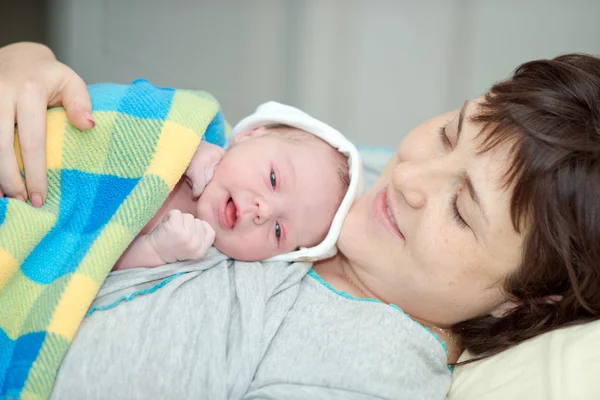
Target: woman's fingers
[75, 99]
[10, 179]
[31, 122]
[30, 79]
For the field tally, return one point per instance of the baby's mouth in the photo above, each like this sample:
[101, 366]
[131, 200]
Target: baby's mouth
[230, 214]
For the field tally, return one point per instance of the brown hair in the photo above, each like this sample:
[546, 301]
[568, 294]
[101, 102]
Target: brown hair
[548, 112]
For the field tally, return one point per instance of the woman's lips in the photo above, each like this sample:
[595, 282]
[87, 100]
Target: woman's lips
[228, 214]
[382, 213]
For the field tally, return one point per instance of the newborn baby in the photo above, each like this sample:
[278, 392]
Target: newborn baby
[275, 191]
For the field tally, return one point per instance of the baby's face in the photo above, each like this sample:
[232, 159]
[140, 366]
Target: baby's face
[269, 196]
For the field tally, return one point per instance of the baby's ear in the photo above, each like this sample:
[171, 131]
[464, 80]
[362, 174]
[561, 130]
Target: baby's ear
[252, 133]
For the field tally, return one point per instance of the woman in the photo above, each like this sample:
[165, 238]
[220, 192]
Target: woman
[483, 227]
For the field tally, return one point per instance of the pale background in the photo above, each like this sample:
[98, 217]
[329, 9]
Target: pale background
[371, 68]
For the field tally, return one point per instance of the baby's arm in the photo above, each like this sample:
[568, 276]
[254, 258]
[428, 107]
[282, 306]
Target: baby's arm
[178, 237]
[140, 253]
[203, 164]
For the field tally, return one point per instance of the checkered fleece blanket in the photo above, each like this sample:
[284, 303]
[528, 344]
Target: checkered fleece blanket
[104, 186]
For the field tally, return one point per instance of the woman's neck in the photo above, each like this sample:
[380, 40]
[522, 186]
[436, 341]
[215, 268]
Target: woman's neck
[340, 274]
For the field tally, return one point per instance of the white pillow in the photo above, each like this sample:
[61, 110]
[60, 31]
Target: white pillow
[563, 364]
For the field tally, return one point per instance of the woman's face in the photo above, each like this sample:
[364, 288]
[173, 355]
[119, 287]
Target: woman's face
[434, 235]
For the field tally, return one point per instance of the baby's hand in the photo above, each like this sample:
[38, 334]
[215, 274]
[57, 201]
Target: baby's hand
[181, 237]
[202, 166]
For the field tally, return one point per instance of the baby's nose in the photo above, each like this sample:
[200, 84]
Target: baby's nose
[264, 211]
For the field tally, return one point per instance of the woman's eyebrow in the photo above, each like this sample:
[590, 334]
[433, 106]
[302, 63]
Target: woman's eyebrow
[461, 118]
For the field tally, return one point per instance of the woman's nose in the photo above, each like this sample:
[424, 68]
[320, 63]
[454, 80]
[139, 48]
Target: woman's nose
[414, 180]
[263, 210]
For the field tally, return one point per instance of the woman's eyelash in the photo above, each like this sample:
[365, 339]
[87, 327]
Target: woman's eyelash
[454, 202]
[444, 137]
[456, 214]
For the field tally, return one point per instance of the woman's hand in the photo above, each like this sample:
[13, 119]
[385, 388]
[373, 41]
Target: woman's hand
[31, 79]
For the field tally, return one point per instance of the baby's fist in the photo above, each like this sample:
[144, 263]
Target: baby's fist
[181, 236]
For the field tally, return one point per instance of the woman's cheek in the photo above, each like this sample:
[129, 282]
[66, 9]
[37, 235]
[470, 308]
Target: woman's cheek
[386, 175]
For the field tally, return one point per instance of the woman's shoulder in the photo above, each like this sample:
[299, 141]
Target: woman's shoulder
[350, 343]
[376, 317]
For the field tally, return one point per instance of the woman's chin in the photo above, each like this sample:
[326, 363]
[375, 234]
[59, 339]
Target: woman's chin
[353, 237]
[356, 224]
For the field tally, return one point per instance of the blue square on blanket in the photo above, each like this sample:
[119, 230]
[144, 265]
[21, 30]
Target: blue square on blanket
[88, 201]
[3, 204]
[144, 100]
[214, 130]
[111, 193]
[7, 346]
[57, 254]
[106, 96]
[24, 352]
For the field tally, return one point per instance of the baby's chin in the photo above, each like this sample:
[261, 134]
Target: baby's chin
[240, 251]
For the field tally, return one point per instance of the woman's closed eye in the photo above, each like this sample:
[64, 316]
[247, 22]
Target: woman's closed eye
[444, 137]
[456, 213]
[454, 200]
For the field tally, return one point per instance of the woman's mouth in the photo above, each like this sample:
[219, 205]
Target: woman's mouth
[383, 213]
[228, 214]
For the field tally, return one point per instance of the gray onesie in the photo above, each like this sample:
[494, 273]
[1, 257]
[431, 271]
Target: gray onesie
[224, 329]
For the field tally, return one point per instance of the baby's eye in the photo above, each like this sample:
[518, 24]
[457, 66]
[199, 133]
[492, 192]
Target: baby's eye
[277, 231]
[273, 179]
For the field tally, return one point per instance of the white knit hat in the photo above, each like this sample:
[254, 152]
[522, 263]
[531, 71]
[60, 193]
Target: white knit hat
[276, 113]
